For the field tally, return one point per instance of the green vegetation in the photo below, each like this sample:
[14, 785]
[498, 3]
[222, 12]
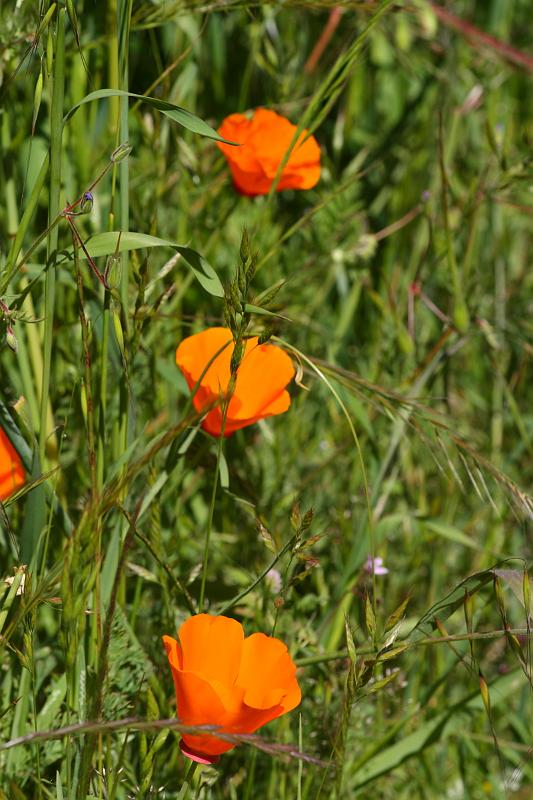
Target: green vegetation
[400, 286]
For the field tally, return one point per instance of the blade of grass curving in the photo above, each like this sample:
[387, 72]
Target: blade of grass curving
[112, 242]
[180, 115]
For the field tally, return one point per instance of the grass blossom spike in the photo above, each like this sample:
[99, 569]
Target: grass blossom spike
[225, 679]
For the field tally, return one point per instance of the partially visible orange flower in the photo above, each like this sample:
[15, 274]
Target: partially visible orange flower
[264, 139]
[11, 469]
[227, 680]
[263, 374]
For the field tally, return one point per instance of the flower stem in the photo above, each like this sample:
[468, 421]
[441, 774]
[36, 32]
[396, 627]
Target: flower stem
[210, 519]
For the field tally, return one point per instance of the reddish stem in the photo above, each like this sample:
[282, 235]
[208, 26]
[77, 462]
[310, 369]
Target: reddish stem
[329, 29]
[471, 32]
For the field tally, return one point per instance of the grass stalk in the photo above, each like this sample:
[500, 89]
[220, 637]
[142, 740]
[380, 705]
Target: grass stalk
[210, 514]
[54, 207]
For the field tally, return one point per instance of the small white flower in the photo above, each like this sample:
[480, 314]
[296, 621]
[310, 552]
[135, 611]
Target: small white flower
[375, 566]
[273, 579]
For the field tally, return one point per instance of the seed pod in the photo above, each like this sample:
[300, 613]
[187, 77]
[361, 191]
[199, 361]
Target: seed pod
[49, 54]
[117, 325]
[83, 399]
[73, 20]
[121, 152]
[11, 339]
[37, 99]
[46, 19]
[484, 689]
[113, 271]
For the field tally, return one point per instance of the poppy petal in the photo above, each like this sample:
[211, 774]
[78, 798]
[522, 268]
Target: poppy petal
[224, 680]
[212, 647]
[12, 474]
[265, 139]
[199, 704]
[274, 368]
[267, 671]
[195, 352]
[263, 374]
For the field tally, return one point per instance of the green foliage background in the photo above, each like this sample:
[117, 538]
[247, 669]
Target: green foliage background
[401, 279]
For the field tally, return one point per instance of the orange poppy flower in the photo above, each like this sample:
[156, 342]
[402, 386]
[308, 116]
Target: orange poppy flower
[227, 680]
[11, 469]
[264, 139]
[263, 374]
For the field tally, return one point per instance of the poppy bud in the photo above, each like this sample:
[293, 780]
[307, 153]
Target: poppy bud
[86, 203]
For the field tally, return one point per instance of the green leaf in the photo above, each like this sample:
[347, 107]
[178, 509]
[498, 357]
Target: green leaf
[175, 113]
[48, 715]
[59, 787]
[204, 272]
[451, 533]
[264, 312]
[104, 244]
